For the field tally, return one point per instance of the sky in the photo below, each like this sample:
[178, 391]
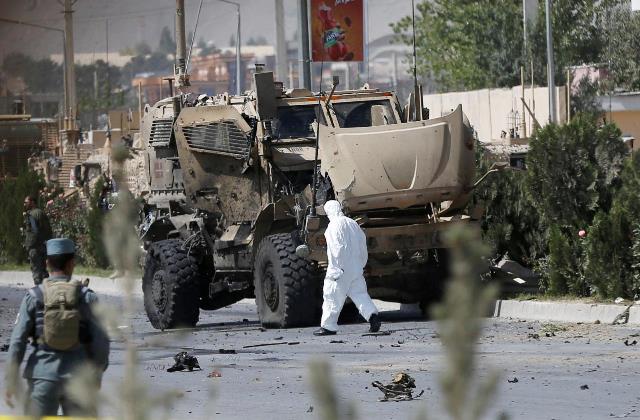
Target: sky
[124, 23]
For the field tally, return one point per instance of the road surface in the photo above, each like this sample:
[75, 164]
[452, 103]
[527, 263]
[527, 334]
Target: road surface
[272, 382]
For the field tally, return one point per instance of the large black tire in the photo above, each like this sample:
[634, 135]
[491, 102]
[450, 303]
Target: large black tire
[287, 288]
[170, 286]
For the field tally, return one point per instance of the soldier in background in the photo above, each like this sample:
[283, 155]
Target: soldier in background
[37, 231]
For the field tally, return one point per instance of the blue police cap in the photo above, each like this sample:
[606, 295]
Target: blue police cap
[60, 246]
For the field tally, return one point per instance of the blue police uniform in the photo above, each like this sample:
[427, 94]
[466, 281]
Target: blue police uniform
[47, 370]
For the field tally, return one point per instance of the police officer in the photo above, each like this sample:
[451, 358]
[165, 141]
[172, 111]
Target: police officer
[49, 369]
[37, 231]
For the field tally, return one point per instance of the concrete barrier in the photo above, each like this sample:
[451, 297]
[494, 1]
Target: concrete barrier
[564, 311]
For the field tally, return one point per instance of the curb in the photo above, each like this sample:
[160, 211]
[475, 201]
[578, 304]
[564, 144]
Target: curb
[564, 311]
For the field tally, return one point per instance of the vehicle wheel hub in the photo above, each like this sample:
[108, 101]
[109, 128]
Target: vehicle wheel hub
[159, 291]
[270, 289]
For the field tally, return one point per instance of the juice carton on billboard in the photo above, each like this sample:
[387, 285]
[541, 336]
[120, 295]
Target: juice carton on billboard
[337, 30]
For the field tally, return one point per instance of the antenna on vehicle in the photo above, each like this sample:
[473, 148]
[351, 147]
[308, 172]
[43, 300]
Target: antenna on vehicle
[417, 89]
[193, 37]
[314, 188]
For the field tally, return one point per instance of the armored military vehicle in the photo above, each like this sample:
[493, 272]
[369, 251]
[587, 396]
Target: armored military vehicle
[237, 184]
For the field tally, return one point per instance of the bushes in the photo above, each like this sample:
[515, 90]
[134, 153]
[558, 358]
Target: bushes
[579, 176]
[613, 244]
[12, 194]
[69, 218]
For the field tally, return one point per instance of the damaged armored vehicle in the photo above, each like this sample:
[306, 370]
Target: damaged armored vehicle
[237, 185]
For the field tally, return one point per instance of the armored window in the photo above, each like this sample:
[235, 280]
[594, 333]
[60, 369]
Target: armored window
[295, 121]
[361, 114]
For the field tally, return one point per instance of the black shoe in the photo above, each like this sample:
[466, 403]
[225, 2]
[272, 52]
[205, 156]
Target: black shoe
[323, 331]
[374, 323]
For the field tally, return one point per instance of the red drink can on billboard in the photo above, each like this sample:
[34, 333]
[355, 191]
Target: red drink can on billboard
[337, 30]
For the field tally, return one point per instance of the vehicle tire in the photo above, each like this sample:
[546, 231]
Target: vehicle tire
[287, 288]
[170, 286]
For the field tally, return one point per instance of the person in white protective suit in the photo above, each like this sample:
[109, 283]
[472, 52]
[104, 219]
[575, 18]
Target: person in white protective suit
[347, 253]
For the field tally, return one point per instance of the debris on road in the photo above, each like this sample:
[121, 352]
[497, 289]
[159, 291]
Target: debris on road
[214, 374]
[184, 361]
[583, 387]
[227, 351]
[279, 343]
[630, 343]
[552, 329]
[623, 317]
[310, 409]
[513, 381]
[376, 334]
[533, 336]
[400, 389]
[5, 347]
[337, 342]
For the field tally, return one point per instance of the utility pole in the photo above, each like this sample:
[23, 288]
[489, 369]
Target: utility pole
[550, 65]
[281, 42]
[180, 71]
[304, 71]
[238, 52]
[70, 74]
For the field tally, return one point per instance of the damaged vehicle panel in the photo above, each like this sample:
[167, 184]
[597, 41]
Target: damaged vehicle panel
[236, 186]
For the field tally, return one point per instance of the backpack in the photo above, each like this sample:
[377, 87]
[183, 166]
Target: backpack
[59, 314]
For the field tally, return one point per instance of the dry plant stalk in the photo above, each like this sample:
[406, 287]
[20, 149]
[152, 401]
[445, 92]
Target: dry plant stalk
[134, 401]
[326, 393]
[466, 303]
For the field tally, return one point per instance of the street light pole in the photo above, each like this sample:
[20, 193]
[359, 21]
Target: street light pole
[69, 64]
[550, 65]
[238, 56]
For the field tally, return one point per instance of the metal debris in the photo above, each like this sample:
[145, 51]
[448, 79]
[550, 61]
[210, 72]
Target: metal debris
[184, 361]
[623, 318]
[376, 334]
[400, 389]
[513, 381]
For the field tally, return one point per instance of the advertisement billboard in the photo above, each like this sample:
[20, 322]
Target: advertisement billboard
[337, 30]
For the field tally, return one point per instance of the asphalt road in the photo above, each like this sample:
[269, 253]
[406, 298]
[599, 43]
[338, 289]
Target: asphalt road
[272, 382]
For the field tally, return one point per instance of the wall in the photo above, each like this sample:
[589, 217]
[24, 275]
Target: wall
[492, 111]
[629, 123]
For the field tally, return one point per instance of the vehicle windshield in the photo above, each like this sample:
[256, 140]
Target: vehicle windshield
[364, 114]
[295, 121]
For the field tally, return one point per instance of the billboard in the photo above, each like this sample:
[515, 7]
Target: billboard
[337, 30]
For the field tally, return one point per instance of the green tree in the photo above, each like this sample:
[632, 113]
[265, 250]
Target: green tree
[511, 223]
[578, 35]
[573, 169]
[613, 244]
[40, 76]
[166, 45]
[466, 45]
[622, 50]
[206, 48]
